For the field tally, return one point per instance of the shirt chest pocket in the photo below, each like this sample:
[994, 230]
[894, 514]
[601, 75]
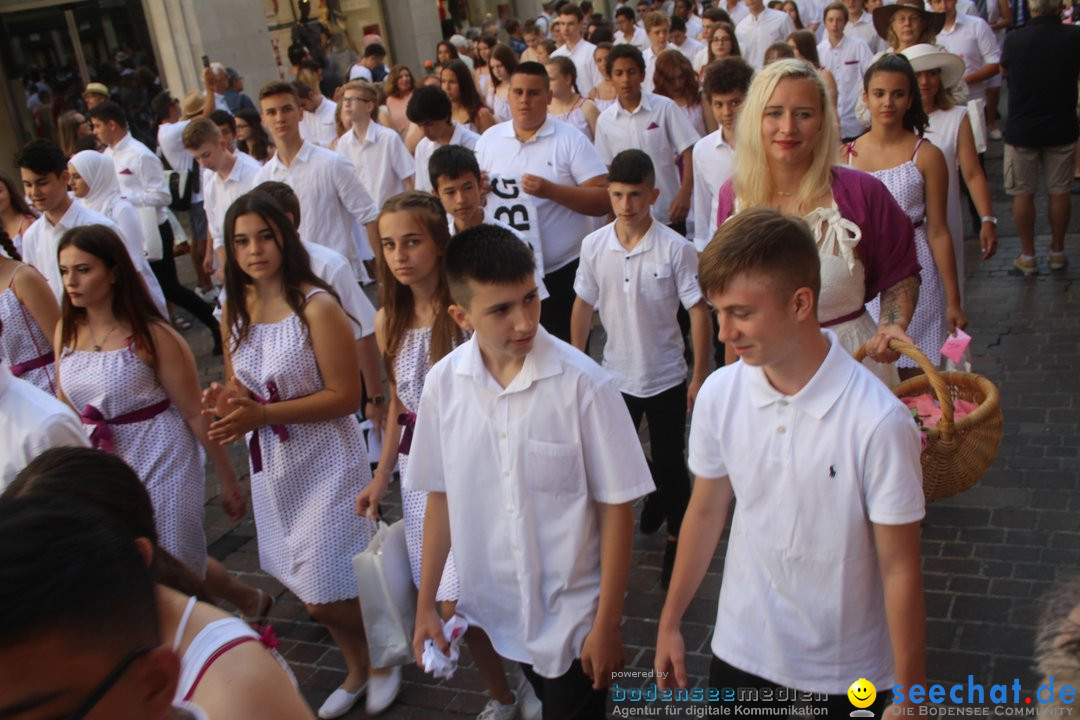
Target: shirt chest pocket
[553, 468]
[656, 280]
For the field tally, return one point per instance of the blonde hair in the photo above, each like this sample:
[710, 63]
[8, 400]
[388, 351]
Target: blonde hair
[369, 93]
[753, 183]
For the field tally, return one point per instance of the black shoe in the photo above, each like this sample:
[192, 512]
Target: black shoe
[669, 563]
[652, 515]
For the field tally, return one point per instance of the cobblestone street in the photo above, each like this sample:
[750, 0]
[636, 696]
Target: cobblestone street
[989, 554]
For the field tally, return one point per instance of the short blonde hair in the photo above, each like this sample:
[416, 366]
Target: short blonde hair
[656, 19]
[369, 93]
[199, 132]
[753, 183]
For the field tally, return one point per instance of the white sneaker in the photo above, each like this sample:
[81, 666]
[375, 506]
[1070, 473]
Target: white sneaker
[340, 702]
[528, 704]
[382, 690]
[495, 710]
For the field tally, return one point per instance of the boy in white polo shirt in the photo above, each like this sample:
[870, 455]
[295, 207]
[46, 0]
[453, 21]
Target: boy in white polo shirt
[822, 575]
[637, 272]
[530, 461]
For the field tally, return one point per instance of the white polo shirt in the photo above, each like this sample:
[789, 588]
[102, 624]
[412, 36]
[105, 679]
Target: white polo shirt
[170, 137]
[638, 293]
[141, 176]
[714, 164]
[863, 29]
[42, 238]
[588, 75]
[557, 152]
[331, 197]
[640, 40]
[801, 603]
[320, 127]
[221, 193]
[755, 34]
[848, 61]
[971, 38]
[523, 468]
[425, 148]
[33, 421]
[381, 159]
[658, 127]
[690, 48]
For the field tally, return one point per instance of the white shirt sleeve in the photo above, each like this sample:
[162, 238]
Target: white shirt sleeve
[681, 133]
[425, 470]
[403, 164]
[155, 189]
[615, 468]
[60, 430]
[585, 164]
[892, 471]
[702, 202]
[354, 301]
[988, 46]
[684, 265]
[585, 285]
[602, 144]
[706, 459]
[351, 192]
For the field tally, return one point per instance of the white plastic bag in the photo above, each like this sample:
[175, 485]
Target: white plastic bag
[387, 596]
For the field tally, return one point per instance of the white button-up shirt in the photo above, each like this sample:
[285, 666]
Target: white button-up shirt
[755, 34]
[332, 267]
[638, 293]
[33, 421]
[557, 152]
[690, 48]
[971, 38]
[170, 137]
[142, 178]
[588, 75]
[640, 40]
[425, 148]
[320, 127]
[42, 238]
[848, 61]
[220, 193]
[863, 29]
[523, 468]
[382, 161]
[658, 127]
[714, 164]
[802, 601]
[331, 197]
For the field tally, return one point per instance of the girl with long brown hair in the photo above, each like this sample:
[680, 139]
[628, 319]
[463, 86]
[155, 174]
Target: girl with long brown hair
[467, 106]
[292, 389]
[674, 78]
[28, 317]
[133, 379]
[414, 331]
[251, 136]
[398, 89]
[15, 215]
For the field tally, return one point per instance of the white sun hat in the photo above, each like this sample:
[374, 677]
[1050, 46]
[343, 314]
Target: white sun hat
[925, 57]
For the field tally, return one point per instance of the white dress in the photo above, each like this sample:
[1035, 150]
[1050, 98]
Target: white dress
[927, 327]
[944, 132]
[576, 116]
[22, 344]
[410, 367]
[162, 450]
[303, 495]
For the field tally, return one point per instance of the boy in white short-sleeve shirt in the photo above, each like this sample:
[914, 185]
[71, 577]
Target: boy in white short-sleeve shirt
[627, 31]
[637, 272]
[822, 578]
[725, 88]
[382, 161]
[521, 437]
[760, 28]
[652, 123]
[578, 49]
[429, 109]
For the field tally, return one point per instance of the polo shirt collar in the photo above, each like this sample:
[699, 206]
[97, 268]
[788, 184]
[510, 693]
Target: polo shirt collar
[818, 395]
[301, 155]
[548, 128]
[69, 218]
[542, 362]
[644, 245]
[370, 135]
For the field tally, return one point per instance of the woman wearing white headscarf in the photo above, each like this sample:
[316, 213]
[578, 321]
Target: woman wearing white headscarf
[94, 183]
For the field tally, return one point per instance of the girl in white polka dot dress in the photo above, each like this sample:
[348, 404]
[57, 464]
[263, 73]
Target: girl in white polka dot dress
[414, 332]
[133, 381]
[293, 391]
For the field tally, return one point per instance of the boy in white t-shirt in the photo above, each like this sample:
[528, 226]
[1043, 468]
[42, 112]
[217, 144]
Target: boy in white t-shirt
[637, 271]
[822, 580]
[530, 461]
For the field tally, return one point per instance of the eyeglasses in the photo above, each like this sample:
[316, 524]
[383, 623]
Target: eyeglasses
[106, 685]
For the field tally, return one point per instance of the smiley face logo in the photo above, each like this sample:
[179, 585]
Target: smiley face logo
[862, 693]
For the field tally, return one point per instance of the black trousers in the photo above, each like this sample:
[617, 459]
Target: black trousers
[555, 311]
[666, 414]
[569, 697]
[165, 270]
[723, 675]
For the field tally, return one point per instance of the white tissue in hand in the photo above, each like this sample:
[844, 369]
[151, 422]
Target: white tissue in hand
[439, 664]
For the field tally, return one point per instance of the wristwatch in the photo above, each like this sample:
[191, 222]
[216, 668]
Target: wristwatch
[377, 399]
[989, 219]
